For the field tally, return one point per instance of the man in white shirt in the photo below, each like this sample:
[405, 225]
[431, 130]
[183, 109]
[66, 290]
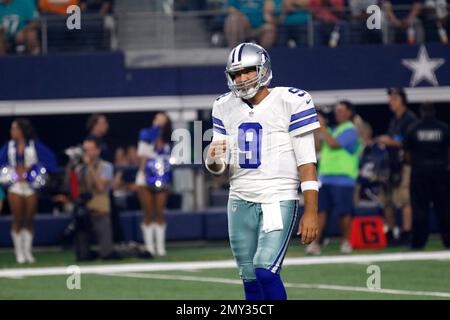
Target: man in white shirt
[265, 138]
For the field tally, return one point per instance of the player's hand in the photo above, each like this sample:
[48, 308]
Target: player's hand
[87, 160]
[308, 227]
[217, 150]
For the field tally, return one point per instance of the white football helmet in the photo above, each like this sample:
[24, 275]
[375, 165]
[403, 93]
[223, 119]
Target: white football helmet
[248, 55]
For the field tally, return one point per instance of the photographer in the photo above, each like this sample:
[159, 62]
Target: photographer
[94, 177]
[397, 190]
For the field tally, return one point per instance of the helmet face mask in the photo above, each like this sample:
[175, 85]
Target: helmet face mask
[246, 89]
[246, 56]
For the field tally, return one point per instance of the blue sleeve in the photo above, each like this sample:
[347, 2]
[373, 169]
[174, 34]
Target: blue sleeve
[348, 139]
[397, 138]
[107, 171]
[46, 157]
[4, 155]
[149, 134]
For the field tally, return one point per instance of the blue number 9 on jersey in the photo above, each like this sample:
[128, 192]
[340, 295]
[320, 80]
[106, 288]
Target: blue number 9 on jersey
[301, 93]
[249, 143]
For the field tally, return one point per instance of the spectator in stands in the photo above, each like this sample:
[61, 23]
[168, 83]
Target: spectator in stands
[124, 186]
[338, 170]
[125, 169]
[359, 31]
[397, 193]
[329, 27]
[362, 128]
[153, 181]
[19, 26]
[102, 7]
[435, 20]
[132, 156]
[403, 24]
[120, 163]
[292, 18]
[120, 157]
[22, 153]
[373, 169]
[249, 20]
[97, 126]
[58, 7]
[95, 178]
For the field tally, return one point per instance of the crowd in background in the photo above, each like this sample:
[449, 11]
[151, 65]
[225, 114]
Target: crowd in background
[20, 26]
[335, 22]
[270, 23]
[380, 171]
[388, 170]
[88, 185]
[372, 170]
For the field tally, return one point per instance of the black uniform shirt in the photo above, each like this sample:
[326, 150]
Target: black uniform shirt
[398, 127]
[428, 140]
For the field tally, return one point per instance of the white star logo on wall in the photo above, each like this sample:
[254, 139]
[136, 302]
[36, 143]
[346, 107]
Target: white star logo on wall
[423, 68]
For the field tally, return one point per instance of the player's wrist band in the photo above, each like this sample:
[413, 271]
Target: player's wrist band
[215, 172]
[309, 185]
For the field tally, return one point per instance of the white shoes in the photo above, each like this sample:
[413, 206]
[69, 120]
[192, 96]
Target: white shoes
[313, 249]
[160, 239]
[148, 232]
[23, 241]
[346, 247]
[153, 232]
[27, 245]
[18, 246]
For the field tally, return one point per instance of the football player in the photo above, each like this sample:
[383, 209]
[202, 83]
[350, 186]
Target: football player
[265, 137]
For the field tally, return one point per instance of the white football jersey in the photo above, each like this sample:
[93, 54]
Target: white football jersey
[261, 157]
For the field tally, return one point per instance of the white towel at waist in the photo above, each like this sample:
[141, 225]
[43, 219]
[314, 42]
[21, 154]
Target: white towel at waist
[272, 219]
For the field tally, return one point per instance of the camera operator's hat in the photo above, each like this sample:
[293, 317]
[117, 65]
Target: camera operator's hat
[399, 91]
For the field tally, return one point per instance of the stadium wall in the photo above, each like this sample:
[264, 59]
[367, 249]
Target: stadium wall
[210, 224]
[105, 75]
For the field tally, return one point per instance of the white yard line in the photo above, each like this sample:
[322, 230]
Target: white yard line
[224, 264]
[287, 285]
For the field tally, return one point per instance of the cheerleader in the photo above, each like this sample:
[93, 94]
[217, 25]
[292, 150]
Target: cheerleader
[22, 153]
[153, 180]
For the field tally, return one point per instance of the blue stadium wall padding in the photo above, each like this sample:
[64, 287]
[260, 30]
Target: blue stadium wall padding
[210, 224]
[62, 76]
[105, 74]
[216, 226]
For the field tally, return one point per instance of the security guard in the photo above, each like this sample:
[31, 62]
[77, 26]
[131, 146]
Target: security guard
[427, 144]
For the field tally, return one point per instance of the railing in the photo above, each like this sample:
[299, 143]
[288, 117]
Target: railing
[164, 28]
[205, 29]
[97, 33]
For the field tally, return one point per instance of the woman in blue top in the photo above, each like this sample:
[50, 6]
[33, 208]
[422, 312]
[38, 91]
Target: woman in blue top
[153, 181]
[22, 153]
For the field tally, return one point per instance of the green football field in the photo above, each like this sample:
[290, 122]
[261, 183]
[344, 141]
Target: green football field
[206, 271]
